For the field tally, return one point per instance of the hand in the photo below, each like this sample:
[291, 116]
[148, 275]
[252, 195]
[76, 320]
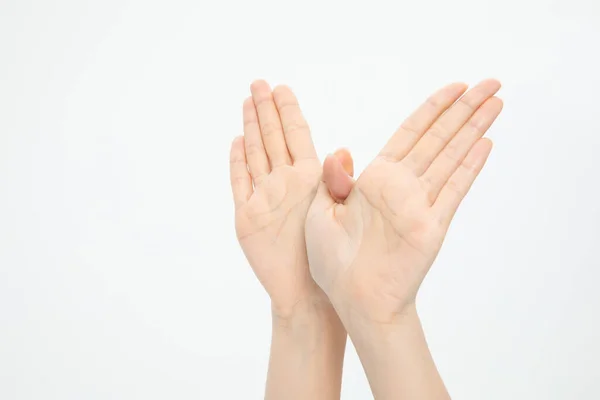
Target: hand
[371, 253]
[274, 177]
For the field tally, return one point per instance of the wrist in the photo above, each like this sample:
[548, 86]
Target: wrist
[314, 311]
[364, 311]
[396, 356]
[313, 304]
[311, 321]
[307, 352]
[382, 331]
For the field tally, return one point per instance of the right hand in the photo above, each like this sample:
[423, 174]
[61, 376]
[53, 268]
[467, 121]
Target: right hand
[371, 253]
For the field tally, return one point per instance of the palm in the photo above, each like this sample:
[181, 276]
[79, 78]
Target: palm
[270, 228]
[379, 245]
[390, 218]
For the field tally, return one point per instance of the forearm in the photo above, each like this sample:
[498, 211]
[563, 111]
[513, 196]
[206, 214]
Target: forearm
[397, 360]
[307, 354]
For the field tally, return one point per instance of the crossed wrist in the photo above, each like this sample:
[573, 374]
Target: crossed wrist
[361, 322]
[314, 307]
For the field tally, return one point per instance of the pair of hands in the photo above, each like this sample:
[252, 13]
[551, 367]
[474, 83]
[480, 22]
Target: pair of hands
[316, 238]
[371, 252]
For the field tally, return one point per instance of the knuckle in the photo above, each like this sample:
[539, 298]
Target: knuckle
[476, 124]
[428, 181]
[253, 148]
[468, 102]
[453, 186]
[237, 159]
[287, 106]
[263, 101]
[413, 160]
[295, 127]
[388, 156]
[238, 180]
[451, 152]
[433, 102]
[469, 168]
[269, 129]
[409, 129]
[437, 133]
[250, 123]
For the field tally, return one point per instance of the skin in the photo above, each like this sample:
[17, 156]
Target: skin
[371, 252]
[369, 243]
[275, 173]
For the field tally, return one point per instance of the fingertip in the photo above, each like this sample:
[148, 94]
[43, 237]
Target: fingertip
[238, 151]
[492, 83]
[495, 81]
[249, 110]
[237, 143]
[282, 89]
[261, 92]
[345, 158]
[453, 90]
[487, 144]
[458, 87]
[478, 154]
[259, 85]
[498, 102]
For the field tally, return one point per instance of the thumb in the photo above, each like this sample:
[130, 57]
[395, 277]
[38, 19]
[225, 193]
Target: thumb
[337, 174]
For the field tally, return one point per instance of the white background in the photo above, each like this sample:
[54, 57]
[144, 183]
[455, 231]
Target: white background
[120, 274]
